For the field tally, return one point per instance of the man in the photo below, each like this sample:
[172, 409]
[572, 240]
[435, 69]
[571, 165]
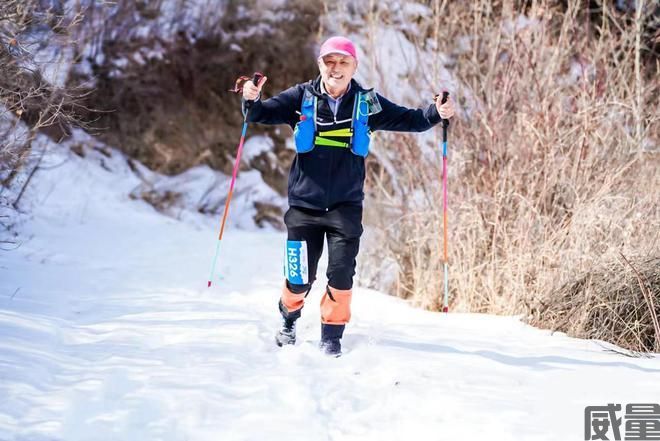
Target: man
[332, 117]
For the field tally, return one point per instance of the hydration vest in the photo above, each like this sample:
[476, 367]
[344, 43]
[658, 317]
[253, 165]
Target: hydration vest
[307, 134]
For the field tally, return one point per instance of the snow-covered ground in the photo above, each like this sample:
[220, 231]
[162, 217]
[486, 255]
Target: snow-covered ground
[108, 332]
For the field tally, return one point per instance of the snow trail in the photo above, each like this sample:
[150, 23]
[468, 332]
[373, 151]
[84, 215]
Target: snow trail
[108, 332]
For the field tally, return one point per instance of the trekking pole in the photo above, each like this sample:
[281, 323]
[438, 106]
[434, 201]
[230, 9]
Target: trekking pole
[445, 125]
[238, 88]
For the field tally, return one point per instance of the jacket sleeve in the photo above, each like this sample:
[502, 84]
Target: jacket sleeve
[402, 119]
[280, 109]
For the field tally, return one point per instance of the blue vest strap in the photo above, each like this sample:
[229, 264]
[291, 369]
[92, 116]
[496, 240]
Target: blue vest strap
[361, 132]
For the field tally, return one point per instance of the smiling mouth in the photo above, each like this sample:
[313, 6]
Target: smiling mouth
[336, 77]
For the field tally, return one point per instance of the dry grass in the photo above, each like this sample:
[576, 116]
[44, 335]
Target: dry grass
[553, 173]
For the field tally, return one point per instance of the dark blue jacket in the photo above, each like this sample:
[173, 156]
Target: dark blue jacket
[329, 176]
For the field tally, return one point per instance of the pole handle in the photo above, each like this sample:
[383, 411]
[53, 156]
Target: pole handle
[445, 97]
[255, 80]
[257, 77]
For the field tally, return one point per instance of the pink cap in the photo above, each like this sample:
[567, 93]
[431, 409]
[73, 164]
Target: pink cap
[338, 45]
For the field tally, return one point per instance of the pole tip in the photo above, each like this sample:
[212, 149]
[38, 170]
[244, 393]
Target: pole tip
[445, 309]
[209, 284]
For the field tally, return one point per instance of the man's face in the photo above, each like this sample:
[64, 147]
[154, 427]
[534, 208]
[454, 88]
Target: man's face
[337, 70]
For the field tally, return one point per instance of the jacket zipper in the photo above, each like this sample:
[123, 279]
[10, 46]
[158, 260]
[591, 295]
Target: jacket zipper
[331, 151]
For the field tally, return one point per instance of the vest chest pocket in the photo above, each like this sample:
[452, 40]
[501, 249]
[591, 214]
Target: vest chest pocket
[303, 135]
[305, 130]
[361, 139]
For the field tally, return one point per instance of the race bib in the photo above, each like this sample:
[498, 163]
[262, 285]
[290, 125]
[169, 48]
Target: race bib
[295, 262]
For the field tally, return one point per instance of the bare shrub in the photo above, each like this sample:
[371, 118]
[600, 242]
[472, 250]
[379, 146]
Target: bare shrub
[31, 100]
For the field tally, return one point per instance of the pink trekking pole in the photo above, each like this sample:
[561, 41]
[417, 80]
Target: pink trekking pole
[445, 125]
[238, 89]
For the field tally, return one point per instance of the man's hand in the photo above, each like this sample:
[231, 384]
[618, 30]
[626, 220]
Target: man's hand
[251, 91]
[445, 110]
